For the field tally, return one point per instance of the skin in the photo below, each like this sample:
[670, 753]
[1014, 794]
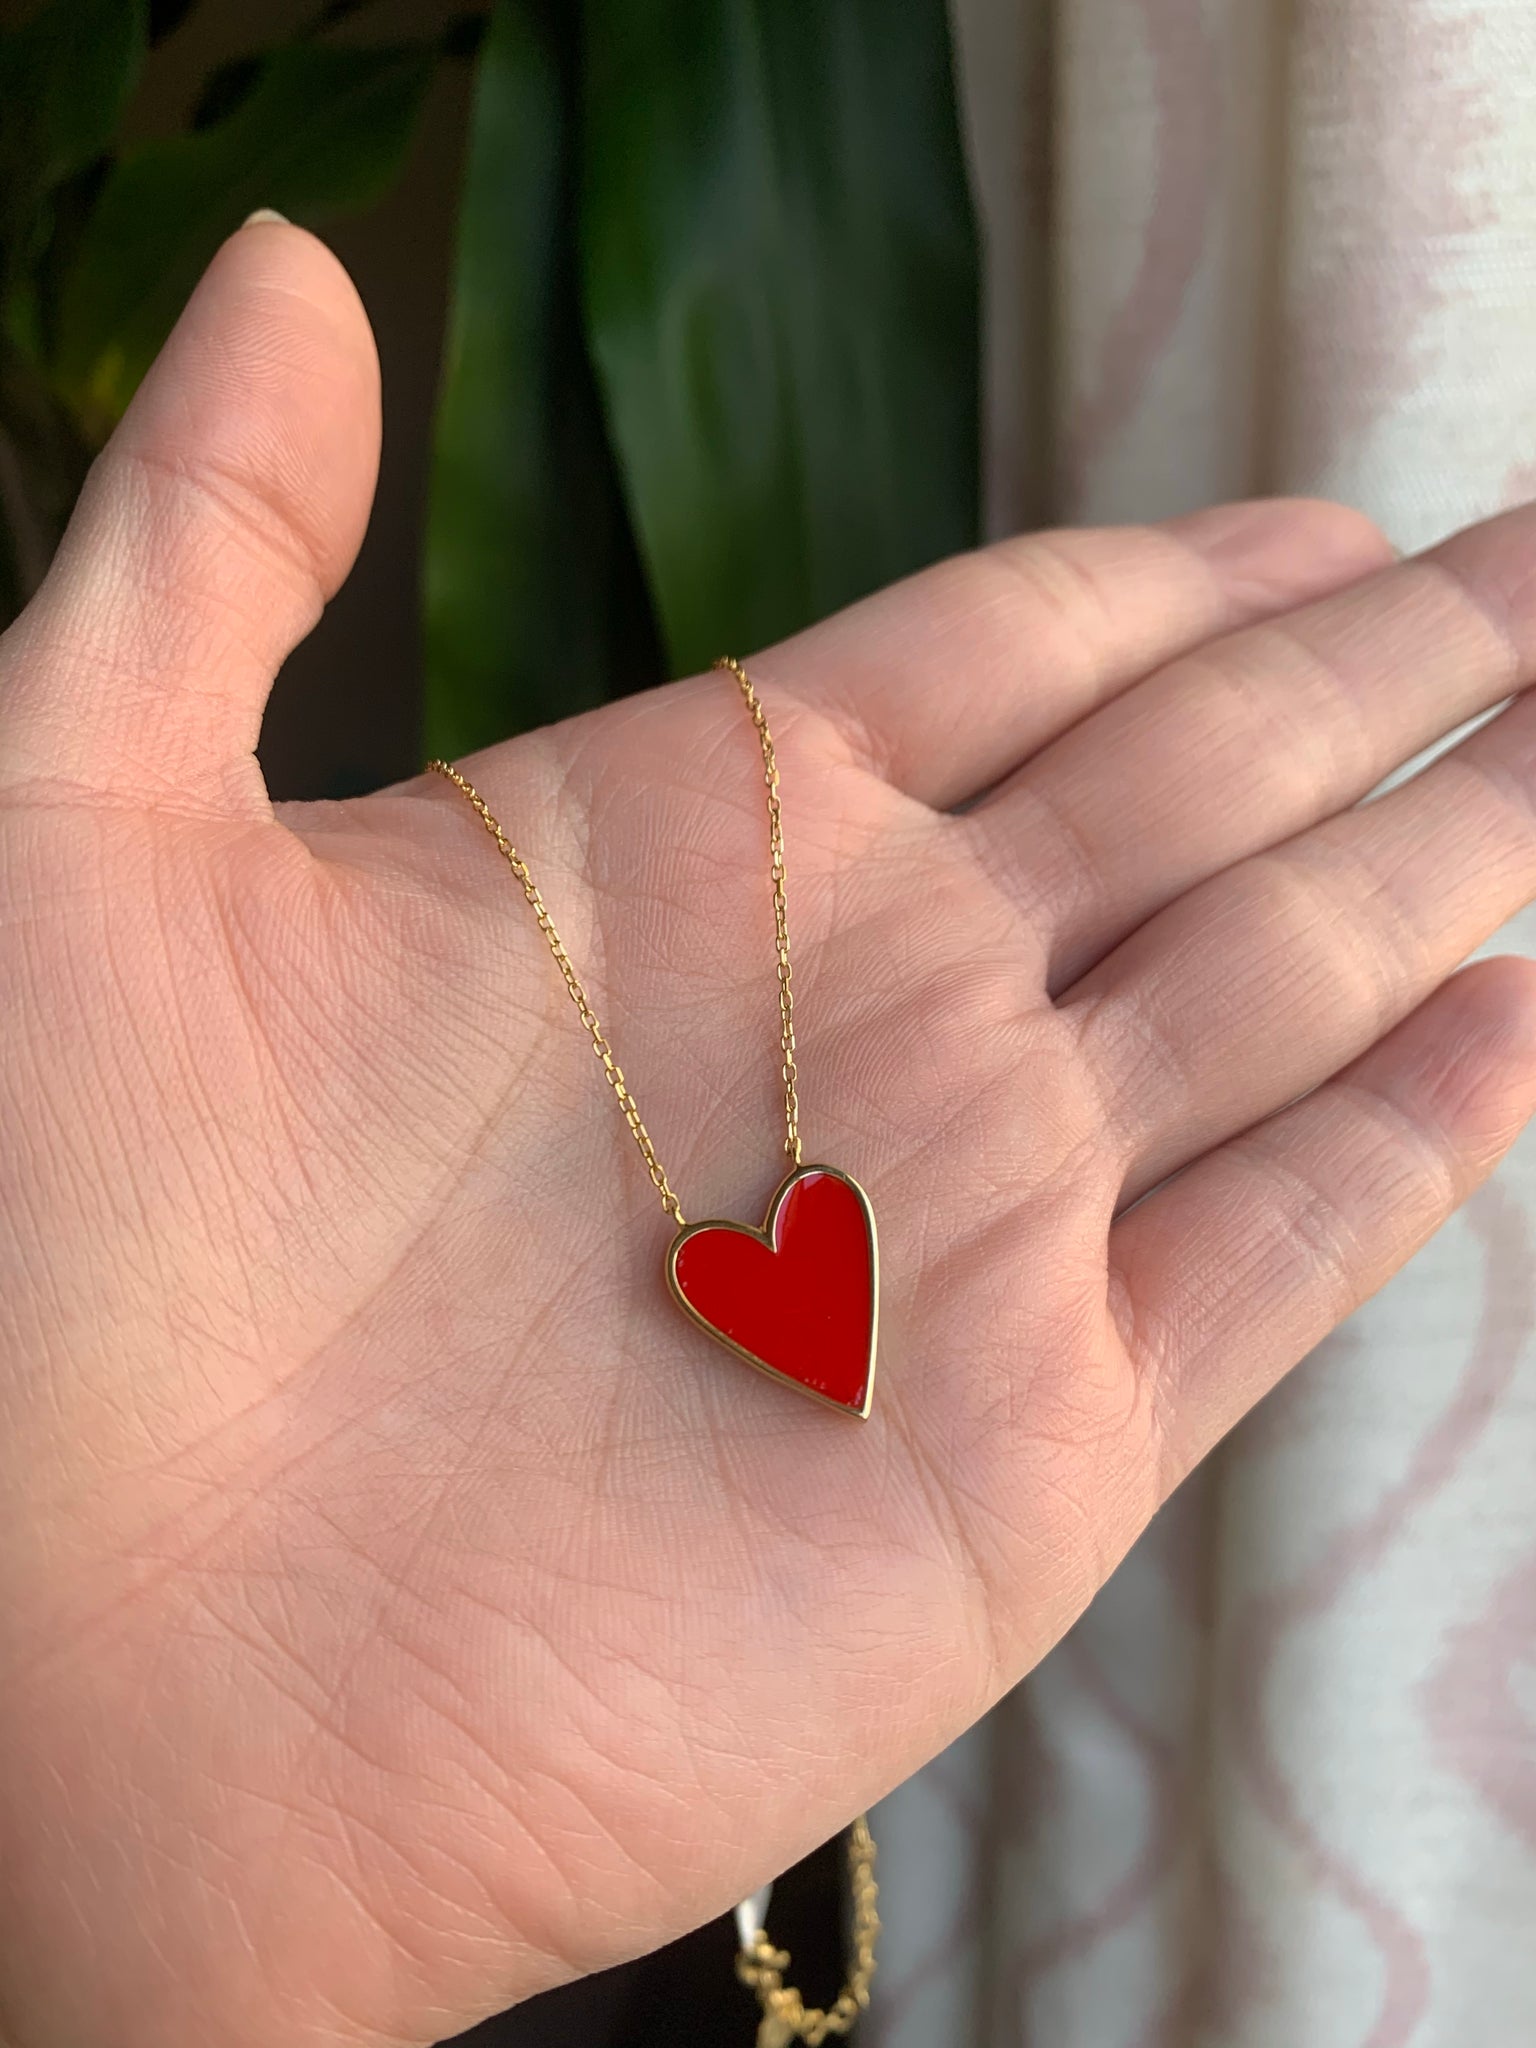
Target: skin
[401, 1607]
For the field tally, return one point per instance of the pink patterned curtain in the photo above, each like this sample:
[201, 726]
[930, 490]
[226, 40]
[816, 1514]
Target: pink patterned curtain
[1278, 1789]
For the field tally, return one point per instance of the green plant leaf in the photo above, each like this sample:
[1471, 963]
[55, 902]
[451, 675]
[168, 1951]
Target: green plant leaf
[781, 301]
[165, 17]
[534, 602]
[64, 78]
[42, 466]
[324, 130]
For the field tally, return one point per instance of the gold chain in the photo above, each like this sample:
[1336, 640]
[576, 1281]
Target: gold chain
[790, 1072]
[786, 2017]
[572, 979]
[588, 1015]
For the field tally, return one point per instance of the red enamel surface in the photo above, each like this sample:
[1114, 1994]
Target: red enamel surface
[806, 1305]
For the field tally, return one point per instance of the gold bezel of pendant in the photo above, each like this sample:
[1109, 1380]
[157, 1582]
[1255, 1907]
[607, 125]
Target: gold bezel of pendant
[765, 1236]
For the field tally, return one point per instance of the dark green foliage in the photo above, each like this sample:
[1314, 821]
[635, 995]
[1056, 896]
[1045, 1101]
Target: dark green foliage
[777, 277]
[99, 246]
[781, 298]
[711, 363]
[535, 606]
[65, 77]
[319, 131]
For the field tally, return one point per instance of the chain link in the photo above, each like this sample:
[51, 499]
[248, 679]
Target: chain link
[578, 994]
[786, 2016]
[789, 1071]
[584, 1010]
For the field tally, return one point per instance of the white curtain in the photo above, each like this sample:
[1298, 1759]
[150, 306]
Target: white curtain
[1278, 1789]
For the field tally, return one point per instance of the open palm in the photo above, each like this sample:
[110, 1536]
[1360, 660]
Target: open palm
[403, 1606]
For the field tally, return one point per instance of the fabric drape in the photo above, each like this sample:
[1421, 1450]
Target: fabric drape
[1279, 1786]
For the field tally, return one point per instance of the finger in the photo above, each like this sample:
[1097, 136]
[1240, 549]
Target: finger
[1251, 738]
[1261, 983]
[224, 511]
[1231, 1273]
[946, 682]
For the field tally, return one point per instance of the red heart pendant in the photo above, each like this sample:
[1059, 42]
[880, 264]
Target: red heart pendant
[797, 1298]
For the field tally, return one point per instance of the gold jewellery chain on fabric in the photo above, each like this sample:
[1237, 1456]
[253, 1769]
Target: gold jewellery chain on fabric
[760, 1966]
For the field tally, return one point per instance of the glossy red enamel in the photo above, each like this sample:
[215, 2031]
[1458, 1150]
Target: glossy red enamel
[798, 1296]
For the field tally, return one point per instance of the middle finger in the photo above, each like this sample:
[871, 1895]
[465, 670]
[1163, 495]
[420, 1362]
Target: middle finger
[1239, 745]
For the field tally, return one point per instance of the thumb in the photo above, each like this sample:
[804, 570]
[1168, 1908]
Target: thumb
[225, 510]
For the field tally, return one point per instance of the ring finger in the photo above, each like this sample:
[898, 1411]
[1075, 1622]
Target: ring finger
[1261, 983]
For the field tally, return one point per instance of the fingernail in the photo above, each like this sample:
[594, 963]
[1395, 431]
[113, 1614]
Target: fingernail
[266, 216]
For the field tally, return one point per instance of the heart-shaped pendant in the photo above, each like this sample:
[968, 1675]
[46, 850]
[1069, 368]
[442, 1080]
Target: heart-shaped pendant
[798, 1298]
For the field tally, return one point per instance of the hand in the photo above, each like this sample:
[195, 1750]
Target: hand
[403, 1607]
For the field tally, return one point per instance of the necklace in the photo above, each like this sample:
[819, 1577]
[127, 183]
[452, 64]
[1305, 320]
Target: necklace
[797, 1298]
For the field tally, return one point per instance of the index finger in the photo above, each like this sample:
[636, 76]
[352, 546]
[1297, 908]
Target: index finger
[947, 681]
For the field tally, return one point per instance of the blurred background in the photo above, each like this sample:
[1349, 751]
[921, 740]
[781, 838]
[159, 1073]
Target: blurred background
[677, 307]
[699, 318]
